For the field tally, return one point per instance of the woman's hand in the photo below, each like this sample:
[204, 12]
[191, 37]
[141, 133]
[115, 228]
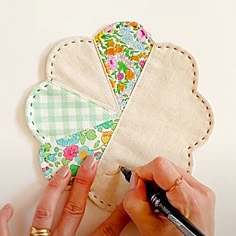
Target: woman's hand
[74, 208]
[5, 215]
[191, 198]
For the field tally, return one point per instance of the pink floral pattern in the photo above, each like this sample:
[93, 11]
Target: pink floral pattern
[70, 152]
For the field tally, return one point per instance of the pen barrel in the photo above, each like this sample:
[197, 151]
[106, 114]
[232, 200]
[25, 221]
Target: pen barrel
[160, 202]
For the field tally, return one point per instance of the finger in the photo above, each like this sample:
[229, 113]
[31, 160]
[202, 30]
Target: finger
[164, 173]
[136, 205]
[161, 171]
[45, 210]
[75, 206]
[5, 215]
[194, 183]
[114, 224]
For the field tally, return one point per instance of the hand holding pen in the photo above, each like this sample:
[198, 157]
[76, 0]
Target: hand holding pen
[192, 199]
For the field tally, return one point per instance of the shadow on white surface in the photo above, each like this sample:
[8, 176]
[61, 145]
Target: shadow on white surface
[24, 205]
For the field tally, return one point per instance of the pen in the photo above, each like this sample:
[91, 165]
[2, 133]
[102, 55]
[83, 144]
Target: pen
[159, 202]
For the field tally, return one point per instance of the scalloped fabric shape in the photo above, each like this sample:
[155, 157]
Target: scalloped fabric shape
[78, 96]
[152, 88]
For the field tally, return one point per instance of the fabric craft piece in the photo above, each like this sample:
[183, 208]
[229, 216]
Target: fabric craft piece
[122, 98]
[59, 112]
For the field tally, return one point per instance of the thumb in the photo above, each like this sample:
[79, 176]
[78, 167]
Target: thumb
[5, 215]
[139, 210]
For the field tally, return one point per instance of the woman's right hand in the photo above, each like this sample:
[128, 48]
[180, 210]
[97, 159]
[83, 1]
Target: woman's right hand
[194, 200]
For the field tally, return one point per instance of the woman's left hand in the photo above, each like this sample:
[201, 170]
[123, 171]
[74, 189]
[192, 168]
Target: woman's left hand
[74, 208]
[5, 215]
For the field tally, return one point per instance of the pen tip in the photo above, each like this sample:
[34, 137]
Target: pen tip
[126, 172]
[122, 168]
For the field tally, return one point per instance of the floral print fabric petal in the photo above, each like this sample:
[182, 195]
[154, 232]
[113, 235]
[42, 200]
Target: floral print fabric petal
[124, 48]
[73, 150]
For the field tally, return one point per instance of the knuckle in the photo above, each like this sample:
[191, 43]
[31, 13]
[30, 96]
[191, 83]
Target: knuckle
[159, 162]
[74, 209]
[106, 229]
[210, 195]
[121, 211]
[81, 180]
[53, 184]
[42, 214]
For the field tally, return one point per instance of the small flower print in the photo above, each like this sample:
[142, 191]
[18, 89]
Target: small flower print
[106, 137]
[121, 87]
[52, 158]
[107, 68]
[121, 57]
[70, 152]
[111, 51]
[135, 58]
[142, 35]
[125, 30]
[142, 63]
[134, 24]
[112, 62]
[129, 63]
[97, 155]
[84, 151]
[47, 171]
[109, 29]
[120, 76]
[74, 169]
[119, 49]
[64, 142]
[98, 38]
[110, 43]
[129, 75]
[113, 83]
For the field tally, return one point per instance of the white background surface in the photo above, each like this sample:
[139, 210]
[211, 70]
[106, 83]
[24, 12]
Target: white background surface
[29, 29]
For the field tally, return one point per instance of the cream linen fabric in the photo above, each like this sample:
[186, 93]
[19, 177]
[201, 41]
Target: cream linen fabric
[75, 64]
[164, 117]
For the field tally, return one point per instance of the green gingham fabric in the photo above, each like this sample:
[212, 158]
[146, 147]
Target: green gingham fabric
[54, 111]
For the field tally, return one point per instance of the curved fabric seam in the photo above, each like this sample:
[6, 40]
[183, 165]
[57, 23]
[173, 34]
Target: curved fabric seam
[56, 52]
[29, 109]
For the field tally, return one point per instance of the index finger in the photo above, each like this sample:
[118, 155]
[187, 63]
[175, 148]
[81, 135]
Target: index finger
[46, 208]
[75, 206]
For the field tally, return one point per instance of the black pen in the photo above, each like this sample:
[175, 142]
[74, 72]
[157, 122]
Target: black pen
[159, 202]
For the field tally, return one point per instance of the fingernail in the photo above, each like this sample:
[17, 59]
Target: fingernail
[89, 162]
[7, 206]
[133, 181]
[64, 171]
